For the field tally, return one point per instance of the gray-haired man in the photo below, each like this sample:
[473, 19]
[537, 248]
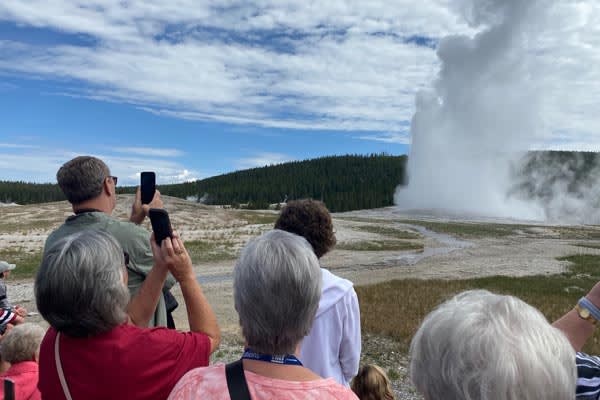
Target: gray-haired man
[90, 188]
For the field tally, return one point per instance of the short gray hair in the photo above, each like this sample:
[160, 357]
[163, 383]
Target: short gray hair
[483, 346]
[277, 288]
[22, 343]
[82, 178]
[79, 287]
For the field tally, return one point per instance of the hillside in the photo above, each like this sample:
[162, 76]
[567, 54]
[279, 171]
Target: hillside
[346, 183]
[343, 182]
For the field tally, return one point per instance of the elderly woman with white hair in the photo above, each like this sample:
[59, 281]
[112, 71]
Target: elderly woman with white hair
[91, 350]
[483, 346]
[277, 285]
[21, 348]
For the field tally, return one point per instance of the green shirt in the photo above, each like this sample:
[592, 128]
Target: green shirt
[134, 239]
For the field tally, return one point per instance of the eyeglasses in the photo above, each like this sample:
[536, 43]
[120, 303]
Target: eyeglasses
[126, 256]
[114, 179]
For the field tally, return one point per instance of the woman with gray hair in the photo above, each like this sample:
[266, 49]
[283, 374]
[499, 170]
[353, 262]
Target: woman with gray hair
[21, 348]
[277, 285]
[91, 351]
[483, 346]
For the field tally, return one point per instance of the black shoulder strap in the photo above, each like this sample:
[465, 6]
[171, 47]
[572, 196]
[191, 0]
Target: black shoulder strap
[236, 381]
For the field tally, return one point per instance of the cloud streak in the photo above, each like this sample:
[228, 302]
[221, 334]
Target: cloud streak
[344, 65]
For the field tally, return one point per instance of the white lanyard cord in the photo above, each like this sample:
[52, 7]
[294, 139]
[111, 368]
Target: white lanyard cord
[59, 369]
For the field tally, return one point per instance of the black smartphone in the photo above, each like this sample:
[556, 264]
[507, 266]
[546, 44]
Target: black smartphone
[148, 186]
[161, 225]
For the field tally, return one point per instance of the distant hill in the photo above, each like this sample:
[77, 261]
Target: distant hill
[346, 183]
[343, 182]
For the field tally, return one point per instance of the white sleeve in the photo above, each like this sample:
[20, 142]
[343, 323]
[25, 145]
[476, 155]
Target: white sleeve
[350, 346]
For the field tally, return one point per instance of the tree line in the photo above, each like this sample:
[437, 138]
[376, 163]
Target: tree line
[344, 183]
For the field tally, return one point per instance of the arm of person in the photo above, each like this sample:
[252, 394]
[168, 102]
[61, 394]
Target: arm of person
[142, 306]
[200, 314]
[350, 346]
[575, 328]
[139, 211]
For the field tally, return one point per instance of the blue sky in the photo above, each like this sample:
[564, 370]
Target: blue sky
[193, 89]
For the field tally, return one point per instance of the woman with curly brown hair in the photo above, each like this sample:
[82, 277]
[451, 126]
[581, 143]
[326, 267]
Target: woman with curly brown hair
[332, 348]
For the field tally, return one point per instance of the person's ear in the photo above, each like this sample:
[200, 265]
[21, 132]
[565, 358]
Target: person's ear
[106, 185]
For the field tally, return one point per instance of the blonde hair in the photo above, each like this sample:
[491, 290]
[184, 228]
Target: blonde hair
[372, 383]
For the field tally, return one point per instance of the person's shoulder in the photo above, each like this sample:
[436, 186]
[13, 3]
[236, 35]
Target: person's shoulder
[339, 391]
[207, 383]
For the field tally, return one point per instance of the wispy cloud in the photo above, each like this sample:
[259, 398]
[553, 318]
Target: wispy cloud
[17, 146]
[344, 65]
[262, 159]
[396, 138]
[41, 165]
[149, 151]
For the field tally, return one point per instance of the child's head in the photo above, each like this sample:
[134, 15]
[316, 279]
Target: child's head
[5, 269]
[371, 383]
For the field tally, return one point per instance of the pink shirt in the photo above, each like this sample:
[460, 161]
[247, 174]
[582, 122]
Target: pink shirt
[210, 384]
[25, 377]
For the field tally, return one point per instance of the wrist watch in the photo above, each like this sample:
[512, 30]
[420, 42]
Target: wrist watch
[587, 311]
[584, 313]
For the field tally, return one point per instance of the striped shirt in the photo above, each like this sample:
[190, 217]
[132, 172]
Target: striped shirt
[6, 317]
[588, 376]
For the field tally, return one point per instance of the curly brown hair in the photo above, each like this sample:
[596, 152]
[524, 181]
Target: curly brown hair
[310, 219]
[372, 383]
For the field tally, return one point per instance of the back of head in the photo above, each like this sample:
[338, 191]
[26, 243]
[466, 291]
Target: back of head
[311, 220]
[82, 178]
[79, 288]
[371, 383]
[483, 346]
[277, 287]
[22, 343]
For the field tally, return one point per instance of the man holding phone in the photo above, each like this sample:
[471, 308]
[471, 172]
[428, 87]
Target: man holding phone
[91, 189]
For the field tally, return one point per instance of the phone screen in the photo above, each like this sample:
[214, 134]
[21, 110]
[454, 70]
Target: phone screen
[161, 224]
[148, 186]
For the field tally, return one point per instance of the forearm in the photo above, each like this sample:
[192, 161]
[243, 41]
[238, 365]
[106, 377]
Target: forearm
[200, 314]
[577, 330]
[142, 306]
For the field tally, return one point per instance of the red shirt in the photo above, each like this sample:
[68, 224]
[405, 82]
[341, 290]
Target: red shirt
[125, 363]
[25, 377]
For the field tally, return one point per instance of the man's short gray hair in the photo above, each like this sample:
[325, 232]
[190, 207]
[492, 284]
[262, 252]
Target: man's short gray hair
[483, 346]
[82, 178]
[277, 287]
[79, 288]
[22, 343]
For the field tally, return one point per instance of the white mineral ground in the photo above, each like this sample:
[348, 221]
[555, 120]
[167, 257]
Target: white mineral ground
[529, 251]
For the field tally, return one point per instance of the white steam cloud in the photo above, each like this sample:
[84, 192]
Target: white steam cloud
[470, 132]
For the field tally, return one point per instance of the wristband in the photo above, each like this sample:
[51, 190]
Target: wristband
[594, 311]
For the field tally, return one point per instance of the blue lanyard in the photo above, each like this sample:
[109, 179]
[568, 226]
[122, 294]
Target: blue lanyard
[286, 359]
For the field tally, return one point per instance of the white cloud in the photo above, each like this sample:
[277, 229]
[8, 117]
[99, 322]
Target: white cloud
[396, 138]
[149, 151]
[262, 159]
[17, 146]
[41, 164]
[341, 65]
[281, 64]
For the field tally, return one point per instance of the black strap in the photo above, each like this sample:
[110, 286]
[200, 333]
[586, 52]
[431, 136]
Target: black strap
[9, 389]
[236, 381]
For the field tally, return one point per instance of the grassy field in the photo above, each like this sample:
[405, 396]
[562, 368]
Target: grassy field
[395, 309]
[389, 231]
[379, 245]
[27, 262]
[202, 251]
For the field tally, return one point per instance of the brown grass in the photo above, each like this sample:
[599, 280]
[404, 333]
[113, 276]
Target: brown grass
[396, 308]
